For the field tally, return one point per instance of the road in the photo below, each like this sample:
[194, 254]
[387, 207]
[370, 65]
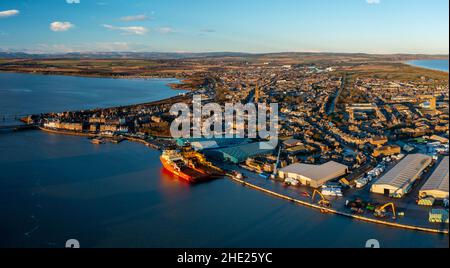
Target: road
[332, 107]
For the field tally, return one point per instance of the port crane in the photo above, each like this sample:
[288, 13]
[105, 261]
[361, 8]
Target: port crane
[275, 169]
[381, 211]
[323, 201]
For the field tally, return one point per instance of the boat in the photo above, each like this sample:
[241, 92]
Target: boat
[97, 141]
[177, 164]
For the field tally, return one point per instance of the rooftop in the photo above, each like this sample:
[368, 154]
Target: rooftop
[405, 171]
[439, 179]
[242, 152]
[325, 171]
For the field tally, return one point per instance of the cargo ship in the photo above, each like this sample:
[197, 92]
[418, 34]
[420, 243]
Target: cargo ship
[183, 167]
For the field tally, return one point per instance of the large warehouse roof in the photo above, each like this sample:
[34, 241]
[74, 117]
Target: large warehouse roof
[439, 179]
[242, 152]
[212, 142]
[324, 172]
[405, 171]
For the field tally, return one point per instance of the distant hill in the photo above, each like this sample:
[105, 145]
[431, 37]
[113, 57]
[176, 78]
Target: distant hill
[173, 55]
[122, 55]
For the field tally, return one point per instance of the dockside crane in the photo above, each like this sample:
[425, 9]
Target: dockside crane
[381, 211]
[275, 169]
[323, 201]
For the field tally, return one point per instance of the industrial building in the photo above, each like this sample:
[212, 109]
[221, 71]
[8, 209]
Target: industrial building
[400, 179]
[313, 175]
[200, 144]
[238, 154]
[437, 185]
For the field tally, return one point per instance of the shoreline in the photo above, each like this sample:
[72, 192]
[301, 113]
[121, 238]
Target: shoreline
[253, 186]
[92, 135]
[340, 213]
[275, 194]
[408, 63]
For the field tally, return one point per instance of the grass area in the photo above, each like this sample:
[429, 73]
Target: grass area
[385, 67]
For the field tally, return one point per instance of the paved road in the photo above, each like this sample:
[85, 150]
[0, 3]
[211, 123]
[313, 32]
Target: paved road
[332, 108]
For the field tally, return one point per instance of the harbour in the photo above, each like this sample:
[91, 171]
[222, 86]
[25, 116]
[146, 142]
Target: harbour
[125, 186]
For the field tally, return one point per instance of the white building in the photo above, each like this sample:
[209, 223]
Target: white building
[437, 185]
[400, 179]
[313, 175]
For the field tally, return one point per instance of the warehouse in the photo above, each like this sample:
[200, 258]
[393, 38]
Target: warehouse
[200, 144]
[313, 175]
[240, 153]
[400, 179]
[437, 185]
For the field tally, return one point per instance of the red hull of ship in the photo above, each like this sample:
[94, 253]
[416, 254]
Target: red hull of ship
[168, 166]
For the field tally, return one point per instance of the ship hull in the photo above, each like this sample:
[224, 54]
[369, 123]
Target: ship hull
[169, 167]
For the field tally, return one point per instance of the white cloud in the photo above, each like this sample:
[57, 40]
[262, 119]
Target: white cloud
[135, 18]
[72, 1]
[137, 30]
[9, 13]
[59, 26]
[373, 2]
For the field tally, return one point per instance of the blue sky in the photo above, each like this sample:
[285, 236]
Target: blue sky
[371, 26]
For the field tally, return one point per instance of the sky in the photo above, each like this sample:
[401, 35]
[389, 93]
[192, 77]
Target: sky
[256, 26]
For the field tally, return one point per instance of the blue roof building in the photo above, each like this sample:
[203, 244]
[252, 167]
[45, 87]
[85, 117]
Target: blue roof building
[200, 144]
[240, 153]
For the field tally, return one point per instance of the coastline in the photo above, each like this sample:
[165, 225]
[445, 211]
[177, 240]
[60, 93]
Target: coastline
[272, 193]
[409, 63]
[177, 98]
[92, 135]
[340, 213]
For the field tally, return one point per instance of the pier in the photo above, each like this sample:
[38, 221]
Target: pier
[13, 122]
[253, 181]
[337, 212]
[17, 127]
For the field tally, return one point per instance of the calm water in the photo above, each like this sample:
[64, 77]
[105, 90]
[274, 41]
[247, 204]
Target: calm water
[30, 94]
[440, 65]
[54, 188]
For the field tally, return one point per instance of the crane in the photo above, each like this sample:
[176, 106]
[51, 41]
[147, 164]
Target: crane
[273, 176]
[323, 201]
[380, 212]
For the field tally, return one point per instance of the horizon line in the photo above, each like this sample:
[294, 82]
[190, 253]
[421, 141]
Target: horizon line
[224, 52]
